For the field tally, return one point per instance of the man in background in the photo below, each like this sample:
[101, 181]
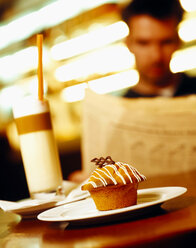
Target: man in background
[153, 38]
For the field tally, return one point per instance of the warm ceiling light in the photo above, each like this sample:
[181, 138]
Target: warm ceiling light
[74, 93]
[14, 65]
[187, 30]
[8, 96]
[111, 59]
[53, 13]
[114, 82]
[188, 5]
[183, 60]
[103, 85]
[90, 41]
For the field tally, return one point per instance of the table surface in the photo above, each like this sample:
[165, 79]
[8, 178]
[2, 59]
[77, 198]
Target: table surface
[173, 224]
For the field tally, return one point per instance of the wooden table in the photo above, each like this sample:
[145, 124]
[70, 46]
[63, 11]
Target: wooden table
[171, 225]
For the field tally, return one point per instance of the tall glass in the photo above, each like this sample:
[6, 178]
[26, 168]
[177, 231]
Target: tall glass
[38, 147]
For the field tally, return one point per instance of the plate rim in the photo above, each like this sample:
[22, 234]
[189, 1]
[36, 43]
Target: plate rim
[165, 190]
[37, 208]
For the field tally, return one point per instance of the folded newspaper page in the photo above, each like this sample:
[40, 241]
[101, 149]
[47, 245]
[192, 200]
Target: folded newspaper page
[155, 135]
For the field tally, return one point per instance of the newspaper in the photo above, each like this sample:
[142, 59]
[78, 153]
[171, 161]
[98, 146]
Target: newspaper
[155, 135]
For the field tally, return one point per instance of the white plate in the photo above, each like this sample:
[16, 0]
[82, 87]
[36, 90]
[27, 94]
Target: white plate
[85, 210]
[29, 208]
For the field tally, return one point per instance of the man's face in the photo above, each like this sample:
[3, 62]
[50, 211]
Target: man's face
[152, 41]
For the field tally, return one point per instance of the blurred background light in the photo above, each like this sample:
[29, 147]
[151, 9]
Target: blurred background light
[183, 60]
[15, 65]
[53, 13]
[87, 42]
[187, 31]
[114, 82]
[103, 61]
[74, 93]
[188, 5]
[102, 85]
[8, 96]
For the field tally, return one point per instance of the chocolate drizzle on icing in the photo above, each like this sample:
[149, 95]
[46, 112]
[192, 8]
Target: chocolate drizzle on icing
[101, 162]
[111, 173]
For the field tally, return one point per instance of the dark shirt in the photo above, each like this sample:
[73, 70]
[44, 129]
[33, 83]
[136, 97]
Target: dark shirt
[187, 86]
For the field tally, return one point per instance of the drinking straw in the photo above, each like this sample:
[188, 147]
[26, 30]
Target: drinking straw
[40, 71]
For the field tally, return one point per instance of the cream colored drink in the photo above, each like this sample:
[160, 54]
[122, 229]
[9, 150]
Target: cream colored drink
[38, 147]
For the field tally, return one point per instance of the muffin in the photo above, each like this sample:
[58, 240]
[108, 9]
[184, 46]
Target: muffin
[113, 185]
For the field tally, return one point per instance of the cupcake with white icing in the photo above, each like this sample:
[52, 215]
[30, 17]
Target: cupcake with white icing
[113, 185]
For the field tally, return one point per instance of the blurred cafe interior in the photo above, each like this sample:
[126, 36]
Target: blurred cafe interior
[83, 47]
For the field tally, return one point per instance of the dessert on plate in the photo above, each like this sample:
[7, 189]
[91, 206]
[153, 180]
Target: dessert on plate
[113, 185]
